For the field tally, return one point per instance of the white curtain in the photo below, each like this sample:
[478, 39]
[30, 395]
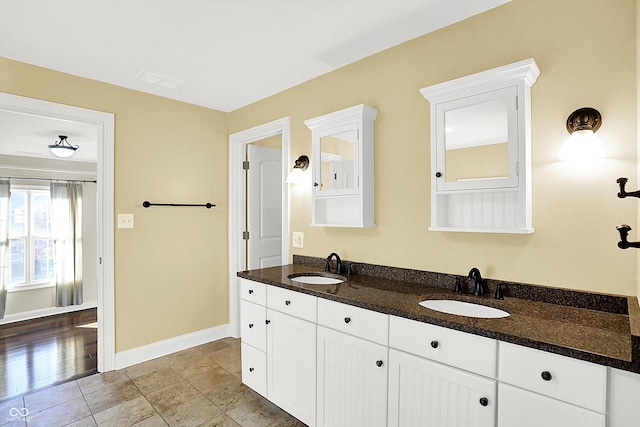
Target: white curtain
[5, 250]
[66, 224]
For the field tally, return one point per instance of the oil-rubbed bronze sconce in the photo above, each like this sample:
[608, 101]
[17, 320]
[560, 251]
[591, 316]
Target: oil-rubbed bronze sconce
[624, 229]
[582, 124]
[296, 176]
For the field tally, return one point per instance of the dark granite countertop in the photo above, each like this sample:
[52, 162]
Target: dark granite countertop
[598, 328]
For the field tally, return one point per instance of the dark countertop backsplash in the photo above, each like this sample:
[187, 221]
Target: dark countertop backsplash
[595, 327]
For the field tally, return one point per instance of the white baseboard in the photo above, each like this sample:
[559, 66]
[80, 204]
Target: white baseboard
[162, 348]
[43, 312]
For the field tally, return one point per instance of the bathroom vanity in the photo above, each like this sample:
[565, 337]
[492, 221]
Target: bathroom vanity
[364, 352]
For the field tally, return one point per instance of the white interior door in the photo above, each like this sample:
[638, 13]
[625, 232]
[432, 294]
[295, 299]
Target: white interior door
[264, 207]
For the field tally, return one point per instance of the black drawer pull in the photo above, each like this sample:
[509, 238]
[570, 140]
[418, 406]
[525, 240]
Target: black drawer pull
[287, 302]
[250, 291]
[347, 319]
[379, 363]
[435, 344]
[250, 325]
[250, 369]
[546, 375]
[267, 321]
[484, 401]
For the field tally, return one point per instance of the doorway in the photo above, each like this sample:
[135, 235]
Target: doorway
[238, 143]
[104, 125]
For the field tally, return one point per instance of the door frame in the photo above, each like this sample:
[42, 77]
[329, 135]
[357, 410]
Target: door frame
[105, 205]
[237, 195]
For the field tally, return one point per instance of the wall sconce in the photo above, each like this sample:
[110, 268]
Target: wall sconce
[583, 144]
[62, 148]
[296, 176]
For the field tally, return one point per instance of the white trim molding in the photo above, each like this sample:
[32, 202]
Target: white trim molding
[157, 349]
[44, 312]
[237, 145]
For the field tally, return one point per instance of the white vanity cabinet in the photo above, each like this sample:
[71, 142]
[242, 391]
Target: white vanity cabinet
[437, 384]
[544, 389]
[352, 366]
[342, 167]
[279, 347]
[334, 364]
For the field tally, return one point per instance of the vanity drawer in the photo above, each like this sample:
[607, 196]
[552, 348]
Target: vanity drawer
[254, 369]
[293, 303]
[252, 324]
[362, 323]
[253, 291]
[466, 351]
[570, 380]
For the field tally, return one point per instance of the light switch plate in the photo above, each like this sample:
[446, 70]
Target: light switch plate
[298, 239]
[125, 220]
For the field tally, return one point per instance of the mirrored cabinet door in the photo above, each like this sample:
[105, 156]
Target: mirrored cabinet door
[477, 141]
[337, 150]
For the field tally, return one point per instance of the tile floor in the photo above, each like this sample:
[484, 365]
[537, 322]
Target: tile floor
[200, 386]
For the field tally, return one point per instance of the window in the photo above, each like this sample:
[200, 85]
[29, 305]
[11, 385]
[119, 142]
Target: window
[30, 238]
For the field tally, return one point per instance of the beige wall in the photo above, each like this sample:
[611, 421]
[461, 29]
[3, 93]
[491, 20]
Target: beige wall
[171, 269]
[588, 61]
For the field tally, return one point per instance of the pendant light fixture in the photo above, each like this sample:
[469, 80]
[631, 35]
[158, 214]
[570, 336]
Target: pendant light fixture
[62, 148]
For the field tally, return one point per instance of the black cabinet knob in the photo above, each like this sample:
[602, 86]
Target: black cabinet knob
[250, 325]
[267, 321]
[546, 375]
[250, 291]
[379, 363]
[435, 344]
[347, 319]
[438, 174]
[250, 369]
[287, 302]
[484, 401]
[315, 184]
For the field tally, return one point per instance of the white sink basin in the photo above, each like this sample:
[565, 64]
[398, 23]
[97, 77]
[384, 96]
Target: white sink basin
[462, 308]
[316, 280]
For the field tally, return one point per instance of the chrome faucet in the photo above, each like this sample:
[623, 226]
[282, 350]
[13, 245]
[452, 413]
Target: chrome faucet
[474, 274]
[327, 266]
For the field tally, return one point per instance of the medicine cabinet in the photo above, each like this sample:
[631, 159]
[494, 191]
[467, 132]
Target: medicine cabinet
[481, 150]
[342, 167]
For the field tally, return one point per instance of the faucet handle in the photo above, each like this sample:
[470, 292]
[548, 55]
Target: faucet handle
[499, 294]
[458, 286]
[351, 269]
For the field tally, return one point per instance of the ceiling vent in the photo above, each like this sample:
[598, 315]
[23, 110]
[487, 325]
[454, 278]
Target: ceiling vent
[159, 80]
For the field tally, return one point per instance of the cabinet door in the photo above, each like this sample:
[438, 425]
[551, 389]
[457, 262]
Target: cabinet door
[426, 393]
[352, 381]
[523, 408]
[291, 365]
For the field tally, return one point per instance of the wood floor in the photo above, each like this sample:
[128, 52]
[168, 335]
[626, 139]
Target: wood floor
[41, 352]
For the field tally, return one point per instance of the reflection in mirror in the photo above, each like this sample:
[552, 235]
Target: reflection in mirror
[336, 159]
[476, 141]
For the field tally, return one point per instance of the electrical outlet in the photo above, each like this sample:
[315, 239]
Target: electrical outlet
[125, 220]
[298, 239]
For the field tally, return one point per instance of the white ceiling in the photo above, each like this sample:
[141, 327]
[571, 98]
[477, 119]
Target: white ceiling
[228, 53]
